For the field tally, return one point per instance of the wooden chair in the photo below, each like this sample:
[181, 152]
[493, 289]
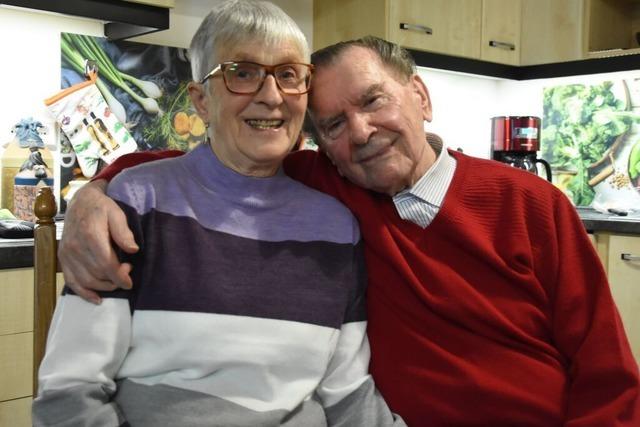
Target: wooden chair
[45, 263]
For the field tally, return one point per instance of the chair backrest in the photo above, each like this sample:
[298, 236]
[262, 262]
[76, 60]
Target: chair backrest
[45, 267]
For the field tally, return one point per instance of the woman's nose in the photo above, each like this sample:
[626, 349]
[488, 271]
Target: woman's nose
[269, 93]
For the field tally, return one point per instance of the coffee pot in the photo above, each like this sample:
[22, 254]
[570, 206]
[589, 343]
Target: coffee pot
[516, 141]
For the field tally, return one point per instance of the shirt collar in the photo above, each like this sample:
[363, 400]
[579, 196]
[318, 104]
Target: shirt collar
[433, 185]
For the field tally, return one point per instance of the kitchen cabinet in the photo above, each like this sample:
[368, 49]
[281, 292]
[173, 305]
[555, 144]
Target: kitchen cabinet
[16, 413]
[444, 26]
[501, 29]
[514, 32]
[16, 345]
[620, 256]
[612, 27]
[451, 27]
[551, 31]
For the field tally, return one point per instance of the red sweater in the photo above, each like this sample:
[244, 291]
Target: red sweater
[497, 314]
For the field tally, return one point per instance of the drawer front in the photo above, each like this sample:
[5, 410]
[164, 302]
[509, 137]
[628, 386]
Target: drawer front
[16, 413]
[624, 276]
[16, 361]
[16, 301]
[454, 25]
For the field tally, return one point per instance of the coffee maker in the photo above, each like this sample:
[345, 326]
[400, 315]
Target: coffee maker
[516, 141]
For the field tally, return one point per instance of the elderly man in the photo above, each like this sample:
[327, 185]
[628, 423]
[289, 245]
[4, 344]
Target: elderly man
[487, 304]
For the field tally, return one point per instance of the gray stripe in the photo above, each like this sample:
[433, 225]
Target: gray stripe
[162, 405]
[364, 407]
[79, 406]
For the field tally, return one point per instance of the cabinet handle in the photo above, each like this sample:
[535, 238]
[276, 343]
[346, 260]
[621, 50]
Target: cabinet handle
[629, 257]
[421, 28]
[502, 45]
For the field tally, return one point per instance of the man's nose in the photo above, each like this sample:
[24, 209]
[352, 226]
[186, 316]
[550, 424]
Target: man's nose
[360, 129]
[269, 92]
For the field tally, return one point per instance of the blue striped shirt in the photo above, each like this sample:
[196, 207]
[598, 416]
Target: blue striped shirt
[421, 202]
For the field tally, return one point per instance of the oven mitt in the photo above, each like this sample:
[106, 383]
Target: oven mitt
[16, 229]
[93, 130]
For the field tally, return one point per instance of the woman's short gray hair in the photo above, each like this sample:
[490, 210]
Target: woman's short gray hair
[237, 21]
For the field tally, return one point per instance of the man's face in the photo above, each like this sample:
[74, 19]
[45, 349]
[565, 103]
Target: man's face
[371, 123]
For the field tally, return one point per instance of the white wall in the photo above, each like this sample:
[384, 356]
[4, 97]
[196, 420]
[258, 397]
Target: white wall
[30, 50]
[463, 104]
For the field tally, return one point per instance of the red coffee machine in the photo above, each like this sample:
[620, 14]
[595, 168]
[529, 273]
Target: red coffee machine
[516, 141]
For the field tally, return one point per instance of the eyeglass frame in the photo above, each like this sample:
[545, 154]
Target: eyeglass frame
[269, 70]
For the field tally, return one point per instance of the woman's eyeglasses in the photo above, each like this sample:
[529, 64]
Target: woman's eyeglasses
[248, 77]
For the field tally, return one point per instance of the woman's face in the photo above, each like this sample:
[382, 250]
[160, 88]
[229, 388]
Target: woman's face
[252, 134]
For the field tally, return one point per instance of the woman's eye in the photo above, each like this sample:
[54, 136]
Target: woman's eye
[243, 74]
[287, 74]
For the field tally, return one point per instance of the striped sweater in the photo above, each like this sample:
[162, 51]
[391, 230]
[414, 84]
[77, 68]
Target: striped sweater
[247, 309]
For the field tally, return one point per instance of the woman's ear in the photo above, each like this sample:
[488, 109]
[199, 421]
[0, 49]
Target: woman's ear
[198, 95]
[425, 101]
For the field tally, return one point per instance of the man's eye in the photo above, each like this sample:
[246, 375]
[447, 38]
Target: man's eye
[334, 129]
[373, 101]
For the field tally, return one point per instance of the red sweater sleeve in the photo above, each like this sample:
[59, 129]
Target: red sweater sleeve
[587, 329]
[133, 159]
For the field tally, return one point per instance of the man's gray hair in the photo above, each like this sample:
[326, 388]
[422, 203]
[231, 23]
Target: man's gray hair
[239, 21]
[396, 58]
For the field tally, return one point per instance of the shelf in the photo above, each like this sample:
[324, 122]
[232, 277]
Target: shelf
[123, 19]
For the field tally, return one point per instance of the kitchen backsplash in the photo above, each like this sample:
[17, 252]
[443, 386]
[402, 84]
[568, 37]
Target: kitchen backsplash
[462, 104]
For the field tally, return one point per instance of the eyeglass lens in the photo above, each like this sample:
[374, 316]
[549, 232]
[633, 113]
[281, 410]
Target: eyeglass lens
[247, 77]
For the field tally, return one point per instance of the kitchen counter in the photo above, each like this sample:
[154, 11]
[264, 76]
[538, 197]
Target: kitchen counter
[595, 221]
[18, 253]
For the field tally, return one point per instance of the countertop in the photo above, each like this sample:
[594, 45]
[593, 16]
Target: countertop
[18, 253]
[595, 221]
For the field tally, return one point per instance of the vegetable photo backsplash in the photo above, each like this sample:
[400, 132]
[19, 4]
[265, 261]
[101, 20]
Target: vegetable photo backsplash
[144, 88]
[591, 138]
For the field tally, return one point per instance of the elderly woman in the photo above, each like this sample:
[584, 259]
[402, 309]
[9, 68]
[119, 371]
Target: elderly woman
[248, 299]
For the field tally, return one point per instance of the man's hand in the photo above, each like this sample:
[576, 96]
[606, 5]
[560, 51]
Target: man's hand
[89, 261]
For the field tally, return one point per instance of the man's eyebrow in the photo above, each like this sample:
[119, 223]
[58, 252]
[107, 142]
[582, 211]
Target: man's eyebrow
[371, 90]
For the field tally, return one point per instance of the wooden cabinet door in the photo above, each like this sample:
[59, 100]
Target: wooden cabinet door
[16, 362]
[501, 31]
[454, 25]
[16, 300]
[624, 277]
[339, 20]
[16, 413]
[552, 31]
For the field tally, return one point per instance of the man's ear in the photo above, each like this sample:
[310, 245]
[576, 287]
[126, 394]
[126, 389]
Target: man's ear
[198, 95]
[425, 101]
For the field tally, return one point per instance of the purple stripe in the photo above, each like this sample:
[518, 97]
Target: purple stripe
[287, 209]
[187, 268]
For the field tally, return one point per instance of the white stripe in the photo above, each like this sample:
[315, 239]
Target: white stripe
[86, 343]
[261, 364]
[349, 366]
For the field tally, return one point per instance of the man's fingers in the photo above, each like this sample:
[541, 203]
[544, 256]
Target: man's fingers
[120, 232]
[120, 276]
[87, 294]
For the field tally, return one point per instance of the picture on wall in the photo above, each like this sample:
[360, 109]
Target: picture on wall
[591, 138]
[143, 88]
